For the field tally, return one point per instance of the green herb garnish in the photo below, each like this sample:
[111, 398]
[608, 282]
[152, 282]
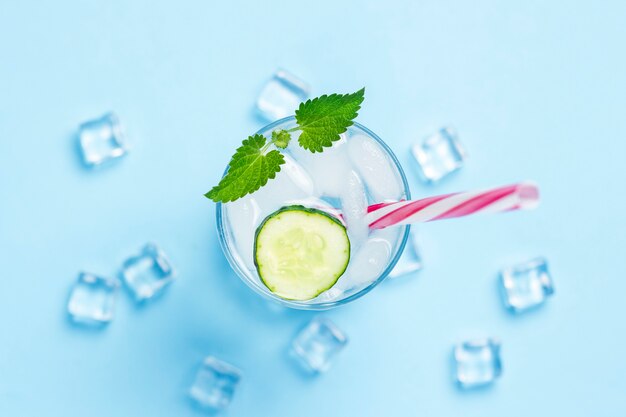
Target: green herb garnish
[320, 120]
[324, 118]
[249, 169]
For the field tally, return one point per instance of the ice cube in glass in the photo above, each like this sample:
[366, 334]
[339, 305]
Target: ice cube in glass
[526, 285]
[148, 273]
[375, 167]
[439, 155]
[92, 299]
[281, 95]
[317, 344]
[477, 362]
[411, 260]
[101, 140]
[215, 384]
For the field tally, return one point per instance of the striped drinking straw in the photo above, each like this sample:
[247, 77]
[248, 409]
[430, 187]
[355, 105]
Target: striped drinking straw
[522, 196]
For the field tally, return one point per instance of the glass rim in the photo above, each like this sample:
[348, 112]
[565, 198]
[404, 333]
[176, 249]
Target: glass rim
[304, 305]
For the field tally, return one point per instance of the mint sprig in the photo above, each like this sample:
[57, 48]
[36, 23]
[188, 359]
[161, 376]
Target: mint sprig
[320, 120]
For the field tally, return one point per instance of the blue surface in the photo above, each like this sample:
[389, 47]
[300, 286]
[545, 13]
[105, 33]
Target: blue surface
[536, 91]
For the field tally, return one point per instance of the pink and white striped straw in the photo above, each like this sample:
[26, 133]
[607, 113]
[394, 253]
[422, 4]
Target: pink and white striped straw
[522, 196]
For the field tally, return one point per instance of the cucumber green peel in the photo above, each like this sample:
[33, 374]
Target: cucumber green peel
[300, 252]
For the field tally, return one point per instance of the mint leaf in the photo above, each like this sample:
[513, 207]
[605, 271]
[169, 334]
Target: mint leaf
[281, 138]
[249, 169]
[324, 118]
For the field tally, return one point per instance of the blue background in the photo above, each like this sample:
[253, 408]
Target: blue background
[536, 90]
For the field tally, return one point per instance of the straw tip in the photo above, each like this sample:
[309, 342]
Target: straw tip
[528, 193]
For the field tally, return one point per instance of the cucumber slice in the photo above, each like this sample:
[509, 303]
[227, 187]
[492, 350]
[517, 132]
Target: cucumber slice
[300, 252]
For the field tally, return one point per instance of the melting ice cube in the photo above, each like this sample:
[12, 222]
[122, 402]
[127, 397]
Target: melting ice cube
[101, 140]
[215, 384]
[375, 167]
[281, 95]
[328, 168]
[92, 299]
[354, 207]
[366, 265]
[317, 344]
[244, 216]
[439, 155]
[477, 362]
[147, 273]
[411, 260]
[526, 285]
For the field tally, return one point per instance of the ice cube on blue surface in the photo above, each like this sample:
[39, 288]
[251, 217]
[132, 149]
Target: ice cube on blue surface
[101, 140]
[317, 344]
[92, 299]
[215, 384]
[477, 362]
[526, 285]
[148, 273]
[411, 260]
[439, 155]
[281, 95]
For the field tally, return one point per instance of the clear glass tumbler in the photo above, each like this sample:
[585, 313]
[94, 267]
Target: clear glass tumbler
[234, 253]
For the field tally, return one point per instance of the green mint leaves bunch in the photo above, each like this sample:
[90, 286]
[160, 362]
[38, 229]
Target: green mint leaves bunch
[320, 121]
